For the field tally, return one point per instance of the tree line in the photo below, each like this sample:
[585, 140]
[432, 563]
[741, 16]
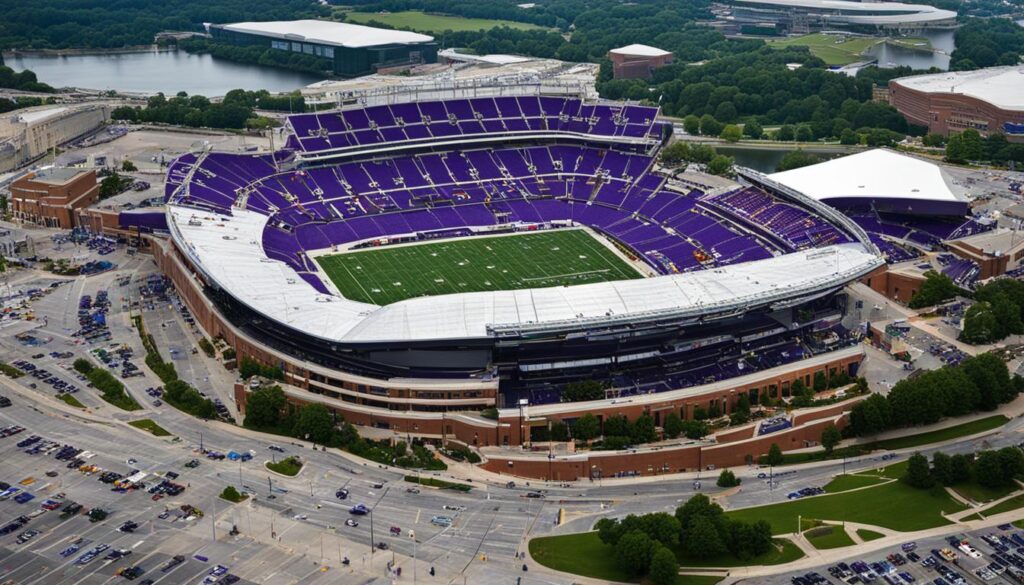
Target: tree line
[998, 311]
[645, 545]
[987, 42]
[62, 24]
[979, 383]
[268, 410]
[992, 469]
[236, 110]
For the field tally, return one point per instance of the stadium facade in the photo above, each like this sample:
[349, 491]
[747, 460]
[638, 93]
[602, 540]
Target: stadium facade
[803, 16]
[745, 298]
[987, 100]
[351, 49]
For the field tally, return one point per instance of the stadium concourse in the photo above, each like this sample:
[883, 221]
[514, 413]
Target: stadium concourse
[343, 259]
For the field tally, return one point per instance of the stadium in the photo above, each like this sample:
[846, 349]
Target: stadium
[407, 262]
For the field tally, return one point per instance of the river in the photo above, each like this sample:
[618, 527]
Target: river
[157, 71]
[764, 159]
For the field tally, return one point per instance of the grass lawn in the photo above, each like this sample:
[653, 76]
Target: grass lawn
[531, 260]
[436, 23]
[70, 400]
[832, 49]
[954, 432]
[148, 425]
[1019, 523]
[580, 554]
[869, 535]
[981, 494]
[697, 579]
[843, 483]
[288, 466]
[1005, 506]
[826, 537]
[783, 552]
[892, 505]
[584, 554]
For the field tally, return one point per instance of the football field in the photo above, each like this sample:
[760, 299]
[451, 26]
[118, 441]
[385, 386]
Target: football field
[529, 260]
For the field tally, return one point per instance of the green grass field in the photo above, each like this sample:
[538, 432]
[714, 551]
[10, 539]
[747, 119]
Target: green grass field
[955, 432]
[869, 535]
[893, 505]
[844, 483]
[148, 425]
[70, 400]
[584, 554]
[826, 537]
[531, 260]
[434, 23]
[1013, 503]
[843, 49]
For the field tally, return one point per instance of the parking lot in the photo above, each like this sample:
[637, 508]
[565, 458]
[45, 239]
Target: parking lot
[991, 556]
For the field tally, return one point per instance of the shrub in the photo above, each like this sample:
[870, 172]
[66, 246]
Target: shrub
[231, 494]
[289, 466]
[206, 346]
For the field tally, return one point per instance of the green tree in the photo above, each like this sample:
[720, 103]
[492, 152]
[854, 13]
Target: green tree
[128, 166]
[691, 124]
[795, 159]
[961, 466]
[675, 153]
[942, 468]
[586, 428]
[315, 423]
[848, 136]
[634, 551]
[830, 437]
[664, 568]
[918, 474]
[988, 470]
[695, 429]
[753, 130]
[786, 133]
[583, 390]
[774, 455]
[720, 165]
[820, 381]
[727, 479]
[673, 425]
[731, 133]
[559, 431]
[935, 289]
[804, 133]
[702, 540]
[709, 126]
[643, 430]
[616, 425]
[264, 406]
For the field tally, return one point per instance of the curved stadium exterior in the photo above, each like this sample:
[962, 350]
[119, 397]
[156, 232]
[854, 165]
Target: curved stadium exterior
[741, 282]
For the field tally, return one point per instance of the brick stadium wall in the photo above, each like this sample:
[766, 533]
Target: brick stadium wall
[894, 285]
[675, 459]
[940, 111]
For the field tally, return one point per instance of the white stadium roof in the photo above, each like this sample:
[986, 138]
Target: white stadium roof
[229, 251]
[338, 34]
[640, 51]
[874, 13]
[875, 174]
[1000, 86]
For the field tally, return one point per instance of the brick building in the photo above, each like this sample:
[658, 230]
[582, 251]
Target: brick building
[637, 61]
[50, 197]
[988, 100]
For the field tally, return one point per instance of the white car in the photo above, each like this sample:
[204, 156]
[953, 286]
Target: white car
[351, 522]
[301, 517]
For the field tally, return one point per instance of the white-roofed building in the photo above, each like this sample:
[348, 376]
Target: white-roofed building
[348, 50]
[988, 100]
[881, 180]
[801, 16]
[637, 61]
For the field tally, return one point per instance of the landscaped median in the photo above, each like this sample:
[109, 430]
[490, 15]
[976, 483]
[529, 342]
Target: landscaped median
[290, 466]
[438, 483]
[150, 426]
[70, 400]
[110, 388]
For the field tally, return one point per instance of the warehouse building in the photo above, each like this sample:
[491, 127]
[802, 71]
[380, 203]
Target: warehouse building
[50, 197]
[352, 49]
[988, 100]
